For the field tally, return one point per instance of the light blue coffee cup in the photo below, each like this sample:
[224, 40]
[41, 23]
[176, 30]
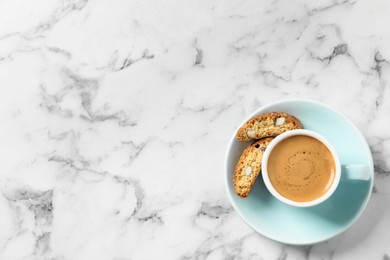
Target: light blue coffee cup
[349, 172]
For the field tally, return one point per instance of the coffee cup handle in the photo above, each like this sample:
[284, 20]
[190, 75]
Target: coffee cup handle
[355, 172]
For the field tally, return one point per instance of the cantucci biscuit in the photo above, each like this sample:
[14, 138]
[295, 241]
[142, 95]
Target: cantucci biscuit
[266, 125]
[249, 166]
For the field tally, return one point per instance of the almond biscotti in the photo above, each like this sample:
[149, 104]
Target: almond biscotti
[249, 166]
[266, 125]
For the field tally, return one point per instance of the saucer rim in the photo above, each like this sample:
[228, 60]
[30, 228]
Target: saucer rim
[309, 102]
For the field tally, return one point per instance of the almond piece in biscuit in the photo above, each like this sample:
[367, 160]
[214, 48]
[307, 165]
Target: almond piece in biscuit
[266, 125]
[249, 166]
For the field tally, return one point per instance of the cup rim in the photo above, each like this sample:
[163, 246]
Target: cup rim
[318, 137]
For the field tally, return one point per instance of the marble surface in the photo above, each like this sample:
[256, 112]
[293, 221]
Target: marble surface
[115, 117]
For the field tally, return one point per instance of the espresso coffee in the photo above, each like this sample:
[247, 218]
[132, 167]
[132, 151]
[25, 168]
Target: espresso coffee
[301, 168]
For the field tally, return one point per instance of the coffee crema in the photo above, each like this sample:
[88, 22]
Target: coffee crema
[301, 168]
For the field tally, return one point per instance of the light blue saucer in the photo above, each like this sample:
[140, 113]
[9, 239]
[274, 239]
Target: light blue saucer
[302, 226]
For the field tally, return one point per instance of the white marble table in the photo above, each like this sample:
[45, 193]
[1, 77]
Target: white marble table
[115, 117]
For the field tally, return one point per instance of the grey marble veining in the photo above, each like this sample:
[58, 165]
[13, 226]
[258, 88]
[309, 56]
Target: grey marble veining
[115, 117]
